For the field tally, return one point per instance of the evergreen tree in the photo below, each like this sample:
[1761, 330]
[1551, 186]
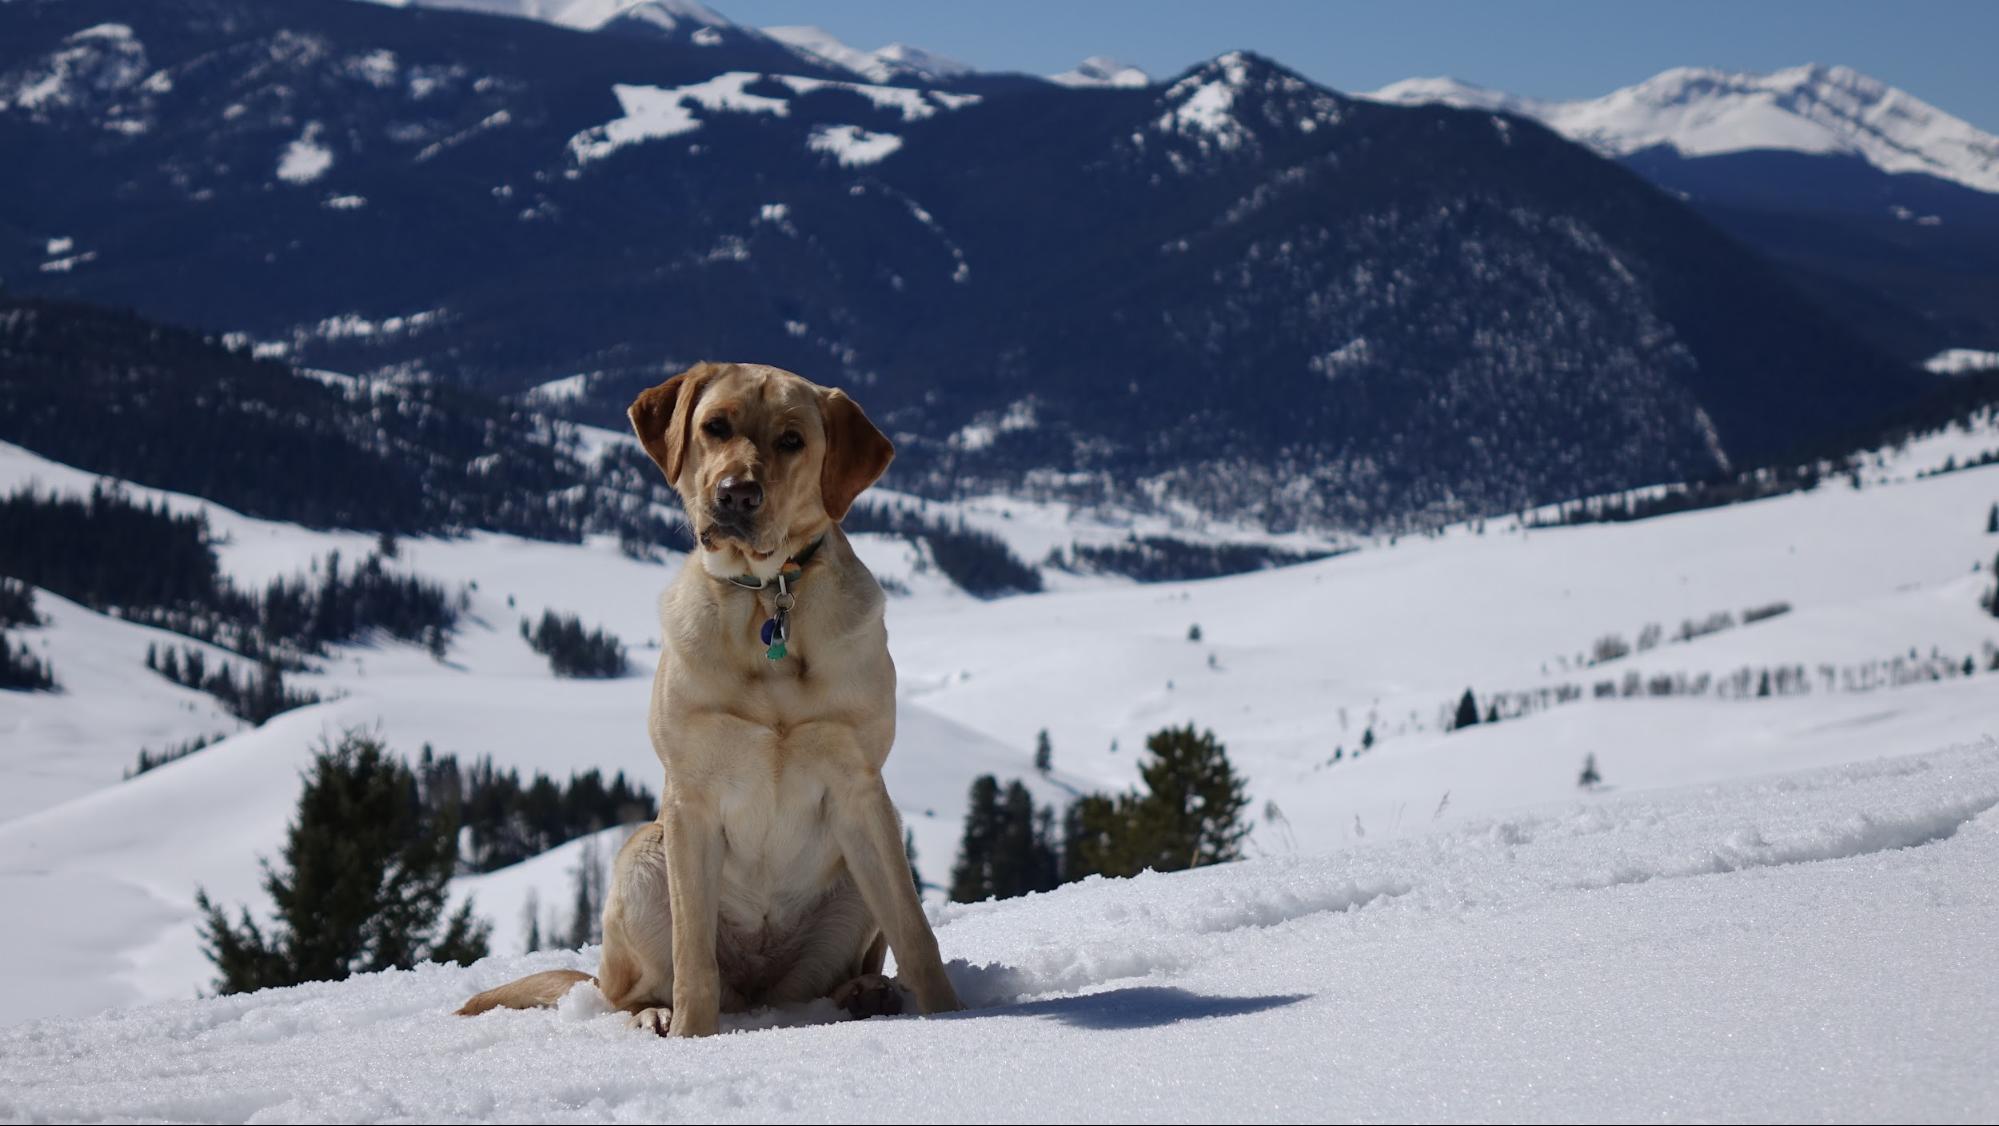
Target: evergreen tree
[1193, 813]
[1044, 752]
[1467, 711]
[1009, 847]
[971, 876]
[1189, 815]
[531, 914]
[573, 651]
[17, 604]
[1992, 520]
[587, 924]
[364, 884]
[1013, 842]
[21, 670]
[1589, 777]
[1088, 828]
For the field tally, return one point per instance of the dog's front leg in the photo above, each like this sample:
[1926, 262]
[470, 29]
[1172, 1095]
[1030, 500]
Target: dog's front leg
[870, 836]
[693, 879]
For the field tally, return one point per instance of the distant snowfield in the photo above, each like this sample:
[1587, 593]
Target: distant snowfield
[1961, 361]
[1293, 666]
[1815, 945]
[652, 113]
[1700, 111]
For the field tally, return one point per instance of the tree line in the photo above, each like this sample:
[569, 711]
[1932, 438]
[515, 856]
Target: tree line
[1186, 813]
[1745, 682]
[143, 562]
[980, 563]
[102, 389]
[20, 669]
[363, 880]
[254, 697]
[573, 651]
[1155, 559]
[506, 820]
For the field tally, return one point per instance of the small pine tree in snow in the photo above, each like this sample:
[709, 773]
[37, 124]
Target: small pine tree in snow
[1009, 846]
[21, 670]
[1189, 815]
[1194, 632]
[971, 879]
[1044, 752]
[1589, 779]
[1992, 520]
[586, 923]
[363, 887]
[531, 914]
[1467, 711]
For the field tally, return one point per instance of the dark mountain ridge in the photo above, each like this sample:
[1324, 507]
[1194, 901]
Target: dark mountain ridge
[1239, 290]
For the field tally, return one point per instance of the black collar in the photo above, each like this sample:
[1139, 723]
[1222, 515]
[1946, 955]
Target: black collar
[790, 571]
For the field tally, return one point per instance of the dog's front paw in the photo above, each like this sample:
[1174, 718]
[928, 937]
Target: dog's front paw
[657, 1020]
[870, 995]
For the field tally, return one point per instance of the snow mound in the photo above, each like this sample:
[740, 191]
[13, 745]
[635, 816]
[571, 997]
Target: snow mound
[1805, 946]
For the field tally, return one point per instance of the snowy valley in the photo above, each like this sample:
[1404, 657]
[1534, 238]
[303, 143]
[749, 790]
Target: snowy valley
[1578, 521]
[1386, 846]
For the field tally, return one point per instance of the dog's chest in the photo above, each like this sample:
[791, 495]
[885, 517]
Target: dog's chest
[780, 865]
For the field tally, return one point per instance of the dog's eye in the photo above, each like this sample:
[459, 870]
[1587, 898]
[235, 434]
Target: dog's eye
[717, 427]
[790, 442]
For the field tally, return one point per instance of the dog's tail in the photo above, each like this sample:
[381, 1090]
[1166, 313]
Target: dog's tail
[535, 991]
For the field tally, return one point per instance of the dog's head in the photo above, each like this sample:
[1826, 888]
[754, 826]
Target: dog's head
[763, 459]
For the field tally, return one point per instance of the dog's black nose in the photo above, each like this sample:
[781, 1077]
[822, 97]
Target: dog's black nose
[738, 496]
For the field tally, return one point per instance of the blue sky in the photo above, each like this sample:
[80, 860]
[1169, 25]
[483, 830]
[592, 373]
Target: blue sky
[1946, 53]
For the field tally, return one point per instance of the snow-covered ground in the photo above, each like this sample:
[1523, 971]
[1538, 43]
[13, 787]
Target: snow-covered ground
[1369, 1012]
[1815, 945]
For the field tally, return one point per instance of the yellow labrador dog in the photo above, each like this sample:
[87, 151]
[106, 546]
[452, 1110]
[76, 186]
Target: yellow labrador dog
[776, 869]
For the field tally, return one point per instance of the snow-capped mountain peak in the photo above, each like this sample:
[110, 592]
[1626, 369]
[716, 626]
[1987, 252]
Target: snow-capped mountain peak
[671, 15]
[1452, 92]
[883, 64]
[1102, 70]
[587, 15]
[1700, 111]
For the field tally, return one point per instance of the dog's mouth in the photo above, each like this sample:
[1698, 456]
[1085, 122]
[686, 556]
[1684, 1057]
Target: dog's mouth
[729, 533]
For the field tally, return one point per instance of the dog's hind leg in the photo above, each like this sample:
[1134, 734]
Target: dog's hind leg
[636, 973]
[637, 968]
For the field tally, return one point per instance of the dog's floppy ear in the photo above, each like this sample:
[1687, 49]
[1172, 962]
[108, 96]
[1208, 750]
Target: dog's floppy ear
[856, 454]
[663, 418]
